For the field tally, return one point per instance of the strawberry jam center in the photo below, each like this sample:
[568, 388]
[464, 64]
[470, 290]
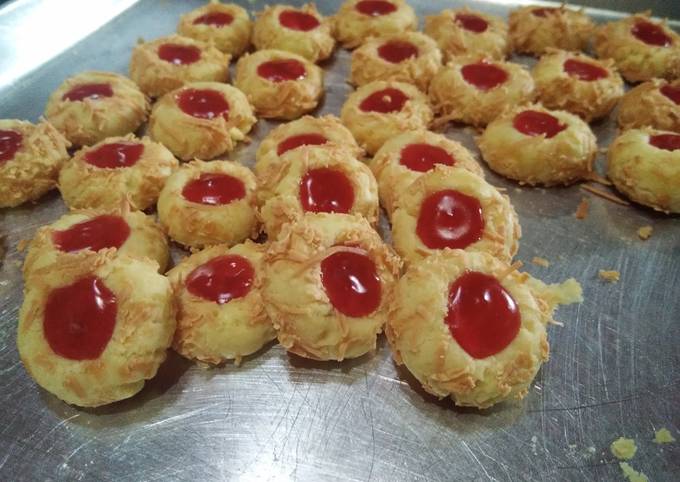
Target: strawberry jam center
[88, 91]
[10, 143]
[79, 319]
[325, 190]
[282, 70]
[214, 19]
[105, 231]
[222, 279]
[352, 283]
[396, 51]
[375, 8]
[293, 142]
[203, 103]
[535, 123]
[384, 101]
[115, 155]
[667, 142]
[482, 316]
[179, 54]
[484, 76]
[296, 20]
[673, 93]
[651, 34]
[450, 219]
[584, 70]
[423, 157]
[472, 23]
[214, 189]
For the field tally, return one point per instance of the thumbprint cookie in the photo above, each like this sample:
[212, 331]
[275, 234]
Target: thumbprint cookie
[655, 103]
[226, 25]
[357, 20]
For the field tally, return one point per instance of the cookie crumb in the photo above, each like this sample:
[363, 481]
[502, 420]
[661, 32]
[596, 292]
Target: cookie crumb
[538, 261]
[623, 448]
[645, 232]
[632, 474]
[582, 209]
[663, 436]
[612, 276]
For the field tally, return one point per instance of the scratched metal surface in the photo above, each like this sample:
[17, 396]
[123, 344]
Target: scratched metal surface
[614, 368]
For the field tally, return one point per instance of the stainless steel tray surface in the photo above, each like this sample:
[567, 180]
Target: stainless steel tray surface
[614, 368]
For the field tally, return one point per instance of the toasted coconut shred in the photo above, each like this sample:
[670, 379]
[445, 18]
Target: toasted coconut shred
[582, 209]
[612, 276]
[605, 195]
[538, 261]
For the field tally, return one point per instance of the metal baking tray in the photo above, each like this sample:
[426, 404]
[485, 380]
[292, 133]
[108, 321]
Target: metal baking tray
[614, 368]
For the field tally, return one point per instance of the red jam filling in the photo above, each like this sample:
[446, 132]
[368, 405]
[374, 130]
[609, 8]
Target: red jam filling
[450, 219]
[423, 157]
[79, 319]
[282, 70]
[483, 317]
[396, 51]
[471, 22]
[668, 142]
[10, 143]
[673, 93]
[214, 189]
[544, 12]
[326, 190]
[384, 101]
[88, 91]
[179, 54]
[536, 123]
[484, 76]
[115, 155]
[584, 70]
[105, 231]
[375, 8]
[296, 20]
[222, 279]
[203, 103]
[214, 19]
[293, 142]
[352, 283]
[651, 34]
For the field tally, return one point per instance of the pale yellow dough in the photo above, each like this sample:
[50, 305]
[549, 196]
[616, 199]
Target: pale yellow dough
[501, 226]
[646, 174]
[279, 189]
[288, 99]
[394, 177]
[214, 333]
[84, 185]
[157, 77]
[455, 99]
[645, 105]
[188, 136]
[232, 39]
[421, 340]
[197, 225]
[315, 45]
[34, 168]
[145, 324]
[372, 129]
[367, 64]
[352, 27]
[564, 28]
[329, 126]
[563, 159]
[590, 100]
[636, 60]
[454, 40]
[306, 321]
[88, 121]
[146, 240]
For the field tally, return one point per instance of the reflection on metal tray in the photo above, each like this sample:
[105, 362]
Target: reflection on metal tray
[614, 368]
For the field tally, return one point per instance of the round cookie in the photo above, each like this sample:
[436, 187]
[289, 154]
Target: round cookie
[469, 326]
[463, 31]
[357, 20]
[203, 119]
[279, 84]
[655, 103]
[226, 25]
[305, 131]
[302, 31]
[642, 49]
[405, 57]
[380, 110]
[534, 29]
[94, 326]
[406, 157]
[220, 312]
[327, 286]
[31, 156]
[534, 145]
[320, 179]
[92, 106]
[206, 203]
[131, 233]
[644, 164]
[474, 91]
[577, 83]
[116, 170]
[168, 63]
[452, 208]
